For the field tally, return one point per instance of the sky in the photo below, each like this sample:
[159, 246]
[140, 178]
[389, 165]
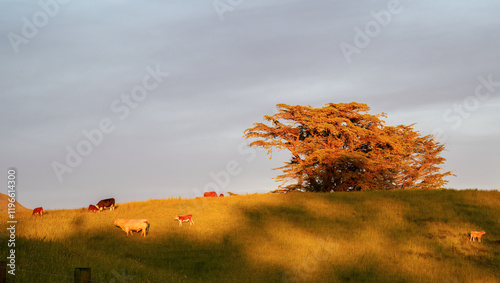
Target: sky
[141, 100]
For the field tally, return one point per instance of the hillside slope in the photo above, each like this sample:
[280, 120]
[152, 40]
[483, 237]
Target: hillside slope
[394, 236]
[4, 202]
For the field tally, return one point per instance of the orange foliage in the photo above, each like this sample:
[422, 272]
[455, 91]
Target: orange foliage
[340, 147]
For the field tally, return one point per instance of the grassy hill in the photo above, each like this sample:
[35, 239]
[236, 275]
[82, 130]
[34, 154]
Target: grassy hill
[393, 236]
[4, 202]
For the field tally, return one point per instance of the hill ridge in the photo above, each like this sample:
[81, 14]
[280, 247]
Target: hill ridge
[4, 204]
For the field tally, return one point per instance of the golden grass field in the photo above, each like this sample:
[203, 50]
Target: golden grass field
[375, 236]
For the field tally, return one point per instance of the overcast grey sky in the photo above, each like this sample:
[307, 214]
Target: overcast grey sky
[141, 100]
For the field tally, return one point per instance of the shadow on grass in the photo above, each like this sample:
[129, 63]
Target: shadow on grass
[323, 263]
[444, 219]
[111, 255]
[183, 255]
[174, 257]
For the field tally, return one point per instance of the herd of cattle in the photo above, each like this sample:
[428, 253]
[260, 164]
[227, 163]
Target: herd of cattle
[142, 225]
[131, 225]
[101, 205]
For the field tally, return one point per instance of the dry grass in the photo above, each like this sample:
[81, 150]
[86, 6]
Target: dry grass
[396, 236]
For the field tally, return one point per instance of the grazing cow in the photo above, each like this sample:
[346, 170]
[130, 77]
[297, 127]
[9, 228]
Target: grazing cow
[185, 218]
[93, 208]
[475, 234]
[110, 202]
[210, 194]
[38, 211]
[129, 225]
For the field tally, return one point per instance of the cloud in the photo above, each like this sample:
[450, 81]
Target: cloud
[224, 76]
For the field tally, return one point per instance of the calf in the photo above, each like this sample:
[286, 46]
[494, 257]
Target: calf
[129, 225]
[210, 194]
[38, 211]
[93, 208]
[185, 218]
[475, 234]
[106, 203]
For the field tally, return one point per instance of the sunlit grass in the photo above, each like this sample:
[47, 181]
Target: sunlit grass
[393, 236]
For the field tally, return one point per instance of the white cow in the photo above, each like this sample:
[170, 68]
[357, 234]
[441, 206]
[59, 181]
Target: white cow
[129, 225]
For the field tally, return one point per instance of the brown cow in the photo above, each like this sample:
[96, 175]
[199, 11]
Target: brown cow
[210, 194]
[93, 208]
[185, 218]
[129, 225]
[38, 211]
[109, 202]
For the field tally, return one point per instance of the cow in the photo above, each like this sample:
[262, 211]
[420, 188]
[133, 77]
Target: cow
[38, 211]
[475, 234]
[129, 225]
[110, 202]
[93, 208]
[210, 194]
[185, 218]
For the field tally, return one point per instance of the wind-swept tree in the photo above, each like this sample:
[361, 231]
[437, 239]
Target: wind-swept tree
[340, 147]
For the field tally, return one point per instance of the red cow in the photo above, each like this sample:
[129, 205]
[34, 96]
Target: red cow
[38, 211]
[185, 218]
[210, 194]
[93, 208]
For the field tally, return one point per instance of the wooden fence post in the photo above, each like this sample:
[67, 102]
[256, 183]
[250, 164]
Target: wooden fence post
[3, 271]
[82, 275]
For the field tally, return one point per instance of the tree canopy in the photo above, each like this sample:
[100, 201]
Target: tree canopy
[340, 147]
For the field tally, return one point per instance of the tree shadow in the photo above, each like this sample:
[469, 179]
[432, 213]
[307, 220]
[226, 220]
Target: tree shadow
[170, 258]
